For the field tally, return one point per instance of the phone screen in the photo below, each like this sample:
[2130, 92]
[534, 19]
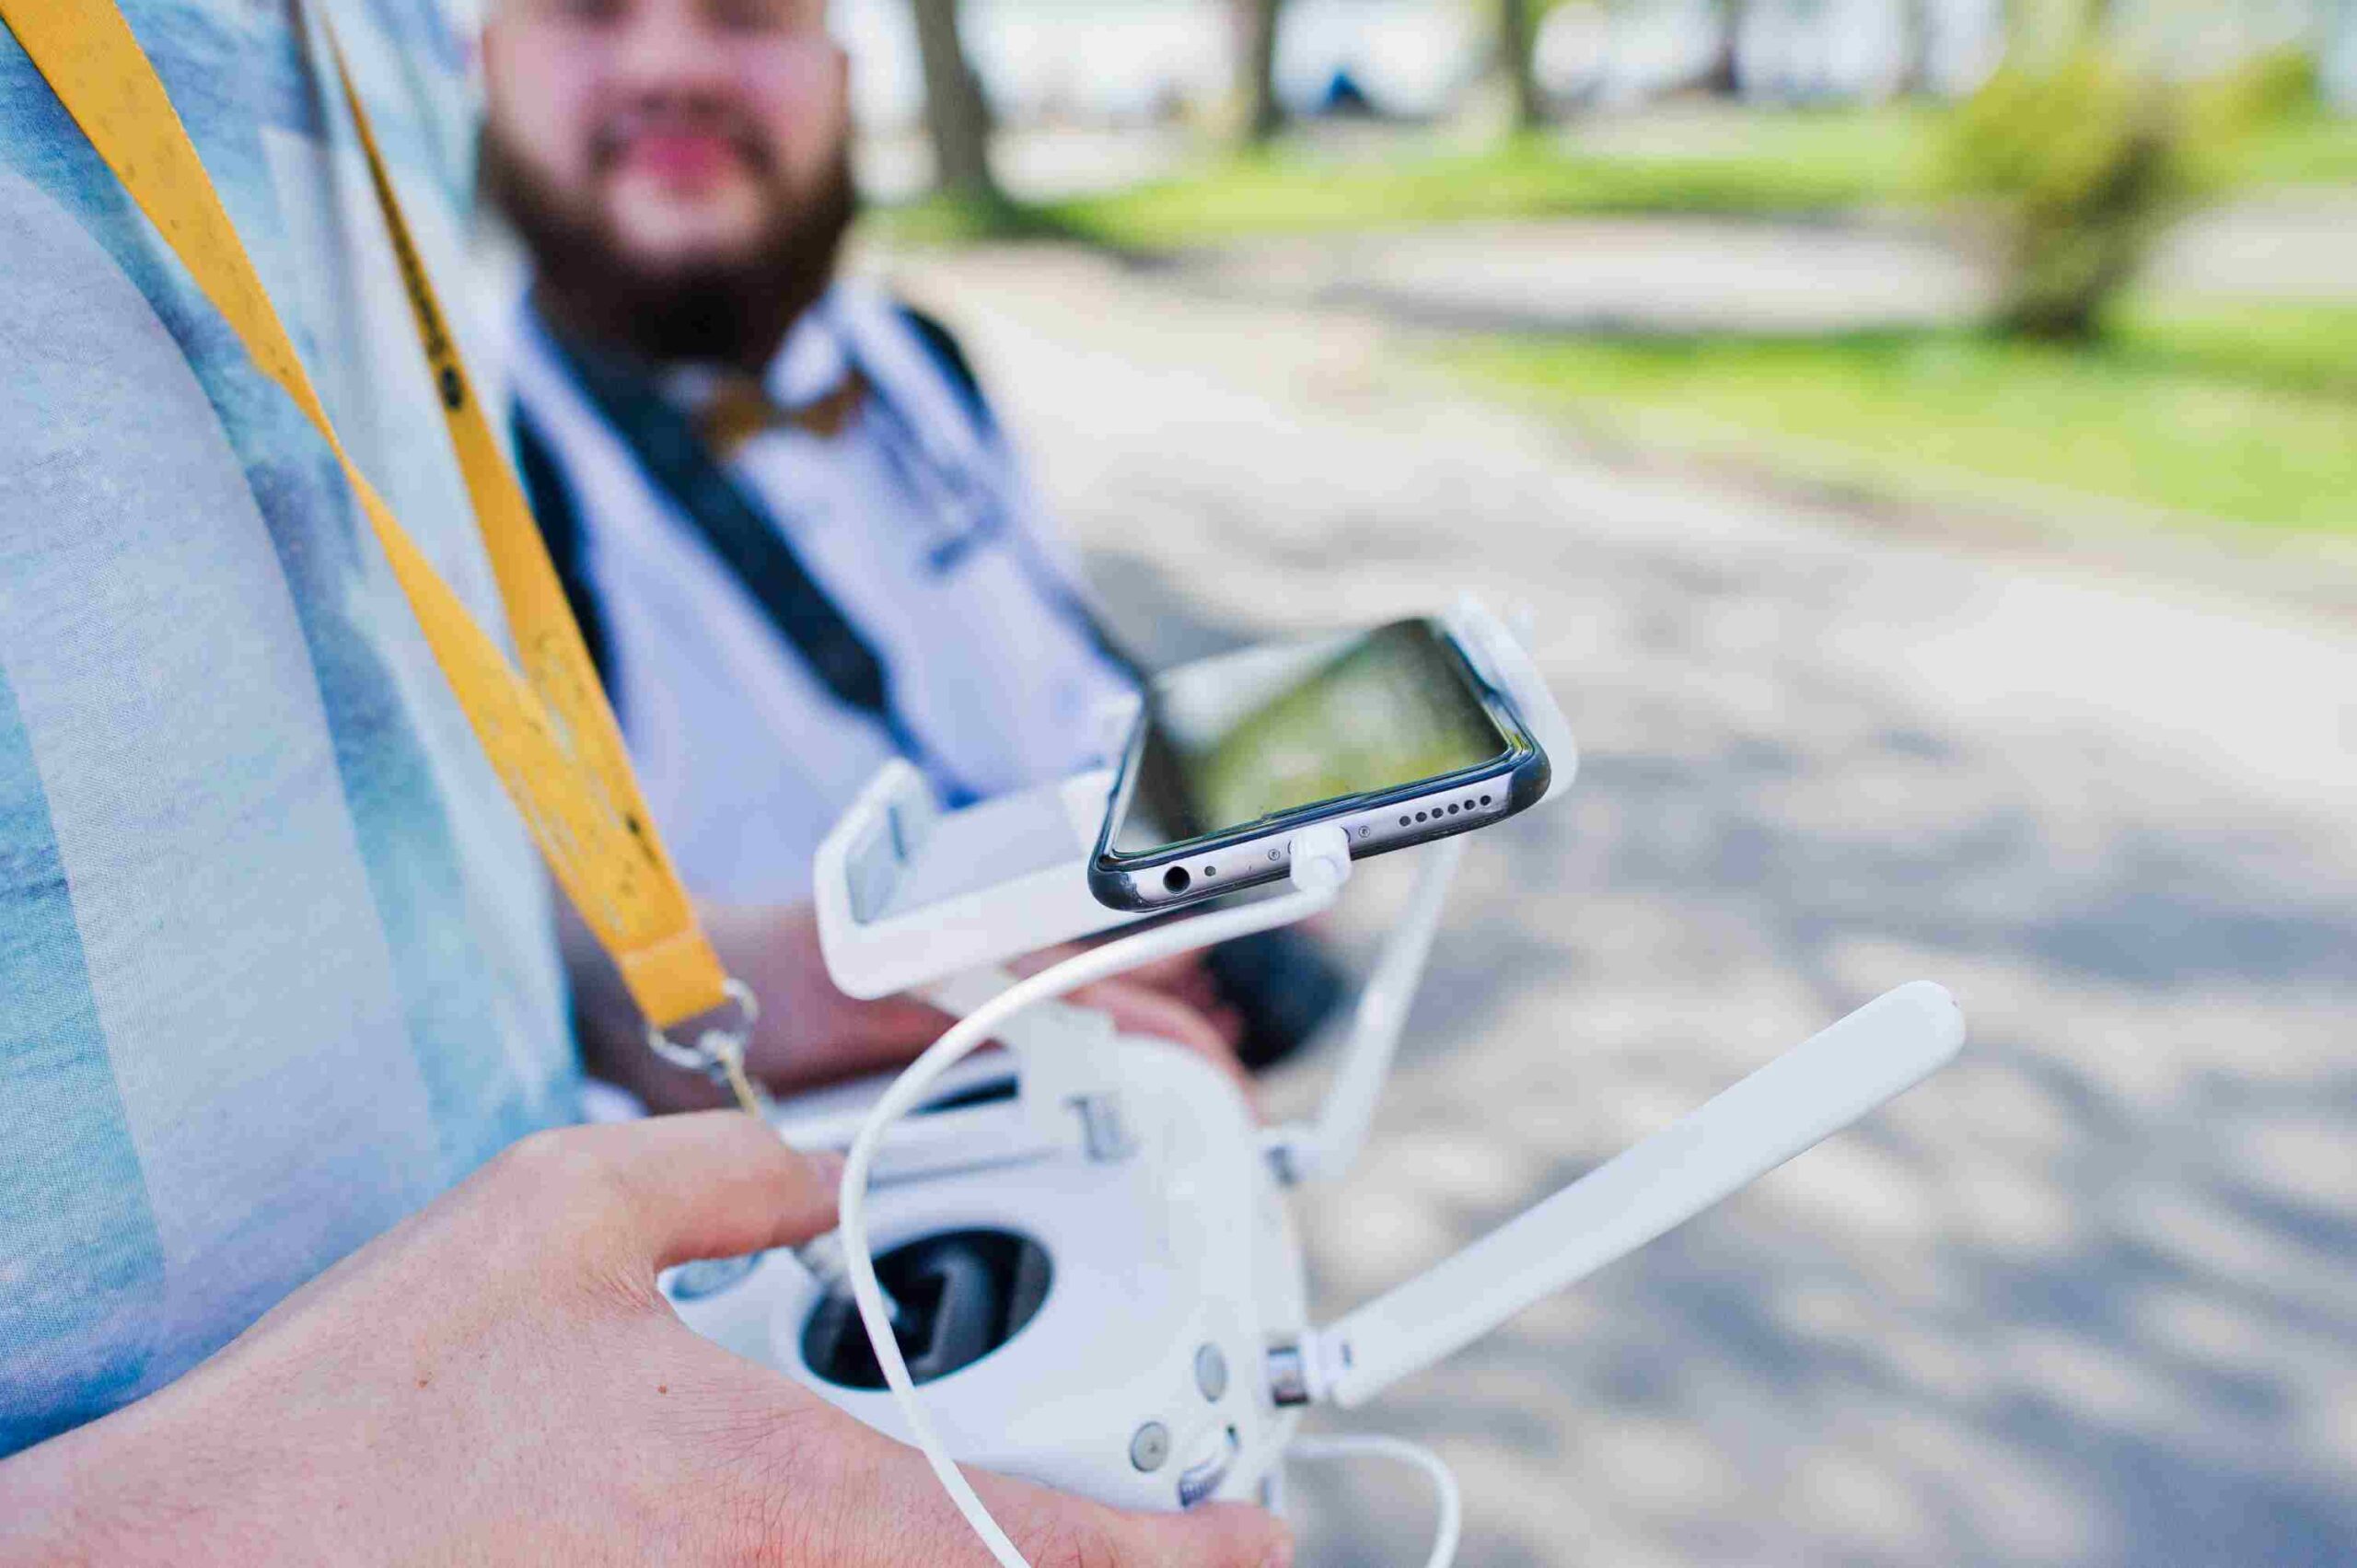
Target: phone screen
[1234, 740]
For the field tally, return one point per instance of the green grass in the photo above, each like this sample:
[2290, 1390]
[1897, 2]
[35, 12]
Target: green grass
[1788, 162]
[1785, 163]
[2290, 347]
[2308, 148]
[2241, 412]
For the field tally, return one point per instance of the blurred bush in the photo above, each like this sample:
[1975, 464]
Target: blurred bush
[2278, 84]
[2088, 159]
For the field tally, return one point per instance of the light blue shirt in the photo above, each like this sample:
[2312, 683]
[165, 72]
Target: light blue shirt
[913, 522]
[276, 962]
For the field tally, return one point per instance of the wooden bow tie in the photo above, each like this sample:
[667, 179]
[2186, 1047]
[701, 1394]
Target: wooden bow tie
[741, 407]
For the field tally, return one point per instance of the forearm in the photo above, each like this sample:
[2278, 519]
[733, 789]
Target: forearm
[39, 1509]
[118, 1492]
[809, 1032]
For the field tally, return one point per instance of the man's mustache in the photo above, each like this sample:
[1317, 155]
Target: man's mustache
[612, 139]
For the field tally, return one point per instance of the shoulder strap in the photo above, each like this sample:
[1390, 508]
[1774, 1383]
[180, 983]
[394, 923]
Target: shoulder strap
[942, 347]
[731, 522]
[555, 508]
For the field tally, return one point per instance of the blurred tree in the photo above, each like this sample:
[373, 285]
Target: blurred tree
[1917, 33]
[2087, 161]
[1723, 75]
[1257, 62]
[956, 115]
[1517, 49]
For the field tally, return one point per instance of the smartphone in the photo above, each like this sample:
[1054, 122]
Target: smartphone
[1392, 734]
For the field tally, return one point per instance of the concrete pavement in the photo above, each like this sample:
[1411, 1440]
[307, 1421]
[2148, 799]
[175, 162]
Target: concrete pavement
[1671, 273]
[2091, 1296]
[1662, 274]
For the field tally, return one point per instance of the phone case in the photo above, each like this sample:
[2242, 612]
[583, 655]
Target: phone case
[1412, 814]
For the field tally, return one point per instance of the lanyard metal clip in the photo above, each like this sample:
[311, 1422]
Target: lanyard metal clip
[718, 1052]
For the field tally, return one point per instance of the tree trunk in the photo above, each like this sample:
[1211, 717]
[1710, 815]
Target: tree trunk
[1517, 39]
[1263, 115]
[1915, 34]
[1723, 80]
[957, 116]
[2072, 260]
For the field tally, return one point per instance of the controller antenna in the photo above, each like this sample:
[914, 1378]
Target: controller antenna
[1805, 1096]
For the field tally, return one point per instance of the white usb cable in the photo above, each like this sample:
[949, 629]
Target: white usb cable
[1321, 863]
[1448, 1502]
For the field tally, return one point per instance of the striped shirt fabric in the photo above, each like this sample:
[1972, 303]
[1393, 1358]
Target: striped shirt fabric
[277, 963]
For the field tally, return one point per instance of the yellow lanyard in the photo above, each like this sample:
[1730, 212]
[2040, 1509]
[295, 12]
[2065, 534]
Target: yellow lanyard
[548, 732]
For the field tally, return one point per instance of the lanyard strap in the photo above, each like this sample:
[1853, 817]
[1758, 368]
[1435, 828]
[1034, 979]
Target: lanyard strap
[548, 732]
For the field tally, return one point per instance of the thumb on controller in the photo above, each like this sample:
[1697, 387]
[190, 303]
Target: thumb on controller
[705, 1184]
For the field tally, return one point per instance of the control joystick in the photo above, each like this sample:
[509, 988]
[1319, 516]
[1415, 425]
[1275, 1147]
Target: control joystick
[958, 1296]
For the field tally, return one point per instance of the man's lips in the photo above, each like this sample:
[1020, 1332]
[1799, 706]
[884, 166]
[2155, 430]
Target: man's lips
[681, 158]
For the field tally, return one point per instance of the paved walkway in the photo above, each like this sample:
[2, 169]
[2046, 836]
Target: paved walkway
[1672, 273]
[1662, 274]
[2091, 1297]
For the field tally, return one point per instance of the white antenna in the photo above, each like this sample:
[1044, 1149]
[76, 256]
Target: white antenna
[1810, 1092]
[1326, 1147]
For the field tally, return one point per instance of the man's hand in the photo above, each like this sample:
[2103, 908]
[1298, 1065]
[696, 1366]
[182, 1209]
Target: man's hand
[498, 1381]
[1173, 999]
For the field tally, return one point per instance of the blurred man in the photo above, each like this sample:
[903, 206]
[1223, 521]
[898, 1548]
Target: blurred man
[278, 975]
[805, 546]
[779, 500]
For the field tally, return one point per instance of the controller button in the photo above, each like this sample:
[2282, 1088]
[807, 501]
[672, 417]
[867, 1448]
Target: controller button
[1150, 1445]
[1210, 1372]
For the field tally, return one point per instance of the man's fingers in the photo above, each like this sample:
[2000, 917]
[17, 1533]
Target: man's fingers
[710, 1184]
[1227, 1021]
[1139, 1011]
[1052, 1530]
[1055, 1530]
[1217, 1535]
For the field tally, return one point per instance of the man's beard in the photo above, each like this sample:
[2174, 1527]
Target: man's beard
[733, 311]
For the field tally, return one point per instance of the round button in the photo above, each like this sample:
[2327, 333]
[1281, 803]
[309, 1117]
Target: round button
[1210, 1372]
[1150, 1445]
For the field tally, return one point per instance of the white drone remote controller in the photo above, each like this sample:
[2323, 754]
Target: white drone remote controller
[1074, 1261]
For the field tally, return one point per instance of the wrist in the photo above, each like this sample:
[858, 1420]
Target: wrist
[115, 1491]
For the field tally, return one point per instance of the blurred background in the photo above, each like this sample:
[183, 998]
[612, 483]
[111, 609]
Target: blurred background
[1926, 433]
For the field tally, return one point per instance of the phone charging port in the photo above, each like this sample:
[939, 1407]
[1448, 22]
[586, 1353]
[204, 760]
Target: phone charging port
[1176, 879]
